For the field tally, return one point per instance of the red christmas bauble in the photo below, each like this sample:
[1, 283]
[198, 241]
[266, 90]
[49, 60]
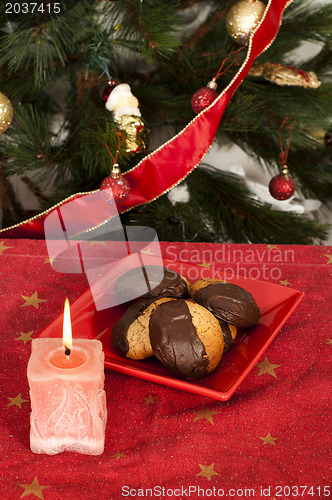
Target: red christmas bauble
[282, 186]
[202, 98]
[107, 90]
[117, 186]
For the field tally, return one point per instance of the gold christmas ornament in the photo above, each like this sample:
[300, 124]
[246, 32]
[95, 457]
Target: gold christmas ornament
[281, 74]
[6, 113]
[243, 18]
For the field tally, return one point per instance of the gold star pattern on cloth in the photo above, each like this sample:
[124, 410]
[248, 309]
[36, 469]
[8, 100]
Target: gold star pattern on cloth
[25, 336]
[207, 414]
[268, 439]
[49, 261]
[33, 489]
[150, 400]
[207, 472]
[32, 301]
[117, 456]
[148, 251]
[3, 247]
[206, 264]
[329, 341]
[329, 256]
[284, 282]
[272, 247]
[17, 401]
[266, 367]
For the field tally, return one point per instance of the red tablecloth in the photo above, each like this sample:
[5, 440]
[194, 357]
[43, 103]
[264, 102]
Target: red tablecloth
[271, 439]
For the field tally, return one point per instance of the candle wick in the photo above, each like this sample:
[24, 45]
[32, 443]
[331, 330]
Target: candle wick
[67, 351]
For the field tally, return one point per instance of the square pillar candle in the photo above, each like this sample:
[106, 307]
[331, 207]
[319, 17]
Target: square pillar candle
[68, 402]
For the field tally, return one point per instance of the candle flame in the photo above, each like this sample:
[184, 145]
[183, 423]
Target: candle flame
[66, 331]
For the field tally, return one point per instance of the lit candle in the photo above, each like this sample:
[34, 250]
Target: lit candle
[68, 403]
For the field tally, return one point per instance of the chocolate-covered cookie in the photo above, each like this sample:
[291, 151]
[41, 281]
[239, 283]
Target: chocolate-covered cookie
[228, 302]
[186, 338]
[151, 281]
[130, 334]
[229, 333]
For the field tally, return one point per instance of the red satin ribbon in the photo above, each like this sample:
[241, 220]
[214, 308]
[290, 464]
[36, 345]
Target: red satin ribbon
[173, 161]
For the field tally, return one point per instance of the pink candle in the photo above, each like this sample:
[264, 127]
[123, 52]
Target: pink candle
[68, 403]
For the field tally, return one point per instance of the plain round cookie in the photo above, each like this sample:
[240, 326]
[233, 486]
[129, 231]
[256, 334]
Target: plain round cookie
[186, 338]
[228, 302]
[130, 334]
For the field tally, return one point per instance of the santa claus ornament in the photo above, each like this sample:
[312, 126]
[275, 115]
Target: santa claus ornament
[123, 105]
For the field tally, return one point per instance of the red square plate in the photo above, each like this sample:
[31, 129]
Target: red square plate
[275, 302]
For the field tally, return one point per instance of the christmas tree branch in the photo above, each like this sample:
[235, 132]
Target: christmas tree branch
[40, 43]
[34, 188]
[203, 29]
[136, 15]
[144, 27]
[186, 4]
[12, 210]
[140, 42]
[221, 209]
